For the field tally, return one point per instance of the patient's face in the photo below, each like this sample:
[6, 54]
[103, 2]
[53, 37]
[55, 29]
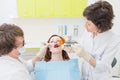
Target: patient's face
[55, 41]
[55, 44]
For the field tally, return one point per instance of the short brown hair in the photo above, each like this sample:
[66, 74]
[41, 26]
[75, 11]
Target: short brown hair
[8, 34]
[101, 14]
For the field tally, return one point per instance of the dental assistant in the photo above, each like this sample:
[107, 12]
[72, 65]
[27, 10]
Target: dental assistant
[99, 44]
[12, 67]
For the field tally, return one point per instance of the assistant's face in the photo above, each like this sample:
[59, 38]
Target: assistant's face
[90, 26]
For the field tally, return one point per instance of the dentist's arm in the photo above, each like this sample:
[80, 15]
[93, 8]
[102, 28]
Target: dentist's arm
[39, 56]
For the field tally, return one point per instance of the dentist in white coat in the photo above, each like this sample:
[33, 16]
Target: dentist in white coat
[98, 45]
[12, 67]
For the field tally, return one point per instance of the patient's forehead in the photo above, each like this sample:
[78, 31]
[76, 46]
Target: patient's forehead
[55, 38]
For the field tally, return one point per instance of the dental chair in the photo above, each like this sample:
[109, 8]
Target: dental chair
[114, 62]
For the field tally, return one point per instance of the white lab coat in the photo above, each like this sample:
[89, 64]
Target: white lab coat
[12, 69]
[103, 48]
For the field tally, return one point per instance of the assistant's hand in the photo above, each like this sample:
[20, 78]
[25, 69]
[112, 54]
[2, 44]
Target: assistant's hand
[81, 52]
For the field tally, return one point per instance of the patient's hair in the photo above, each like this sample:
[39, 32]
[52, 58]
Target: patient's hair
[48, 53]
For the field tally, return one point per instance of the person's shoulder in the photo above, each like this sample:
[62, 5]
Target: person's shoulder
[6, 66]
[3, 59]
[112, 35]
[114, 38]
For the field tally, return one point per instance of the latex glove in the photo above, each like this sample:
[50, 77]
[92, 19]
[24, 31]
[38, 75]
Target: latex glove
[42, 52]
[43, 49]
[40, 55]
[81, 52]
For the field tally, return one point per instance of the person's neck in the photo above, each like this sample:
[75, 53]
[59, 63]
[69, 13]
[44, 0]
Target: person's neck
[13, 57]
[10, 55]
[95, 34]
[56, 57]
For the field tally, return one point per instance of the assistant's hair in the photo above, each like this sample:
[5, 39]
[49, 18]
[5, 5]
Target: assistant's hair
[8, 34]
[101, 14]
[48, 53]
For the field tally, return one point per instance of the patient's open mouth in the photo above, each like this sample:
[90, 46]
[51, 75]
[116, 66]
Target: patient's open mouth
[56, 45]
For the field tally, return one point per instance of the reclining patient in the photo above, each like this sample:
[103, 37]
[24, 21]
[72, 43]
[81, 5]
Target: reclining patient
[55, 63]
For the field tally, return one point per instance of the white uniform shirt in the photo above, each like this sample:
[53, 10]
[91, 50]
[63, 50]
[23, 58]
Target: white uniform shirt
[12, 69]
[103, 48]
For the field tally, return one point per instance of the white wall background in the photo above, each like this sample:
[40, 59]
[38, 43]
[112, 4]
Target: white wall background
[38, 30]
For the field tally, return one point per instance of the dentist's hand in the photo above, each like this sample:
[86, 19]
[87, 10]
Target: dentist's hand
[42, 52]
[81, 52]
[40, 55]
[43, 49]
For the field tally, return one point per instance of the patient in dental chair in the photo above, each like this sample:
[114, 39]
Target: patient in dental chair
[56, 64]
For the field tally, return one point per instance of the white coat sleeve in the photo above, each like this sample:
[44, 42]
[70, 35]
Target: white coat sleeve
[21, 75]
[104, 63]
[28, 64]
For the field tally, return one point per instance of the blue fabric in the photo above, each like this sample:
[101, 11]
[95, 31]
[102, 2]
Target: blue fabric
[57, 70]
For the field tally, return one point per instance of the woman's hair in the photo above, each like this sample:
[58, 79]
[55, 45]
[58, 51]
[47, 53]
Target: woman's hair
[8, 34]
[101, 14]
[48, 53]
